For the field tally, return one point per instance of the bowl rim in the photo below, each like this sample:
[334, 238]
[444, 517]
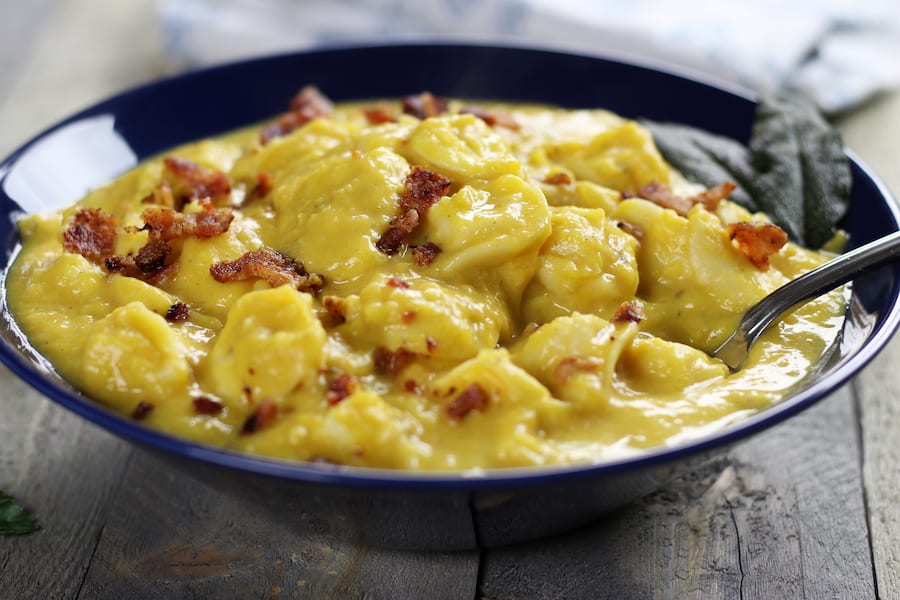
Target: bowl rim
[348, 476]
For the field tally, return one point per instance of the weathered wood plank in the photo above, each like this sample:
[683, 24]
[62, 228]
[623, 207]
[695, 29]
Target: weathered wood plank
[874, 134]
[879, 398]
[65, 471]
[780, 516]
[169, 535]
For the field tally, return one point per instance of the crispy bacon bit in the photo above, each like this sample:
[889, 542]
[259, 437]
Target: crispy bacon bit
[184, 180]
[92, 234]
[334, 311]
[163, 225]
[178, 312]
[378, 115]
[150, 259]
[710, 198]
[410, 386]
[141, 411]
[631, 229]
[493, 118]
[166, 224]
[558, 178]
[391, 362]
[262, 417]
[757, 241]
[423, 188]
[308, 104]
[391, 240]
[662, 195]
[628, 312]
[472, 398]
[340, 387]
[424, 105]
[408, 316]
[431, 343]
[268, 264]
[204, 405]
[425, 254]
[396, 282]
[264, 185]
[572, 365]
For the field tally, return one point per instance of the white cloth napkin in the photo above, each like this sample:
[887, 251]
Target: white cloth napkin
[837, 52]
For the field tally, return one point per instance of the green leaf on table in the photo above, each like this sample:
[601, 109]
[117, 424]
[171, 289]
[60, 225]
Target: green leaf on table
[13, 518]
[794, 168]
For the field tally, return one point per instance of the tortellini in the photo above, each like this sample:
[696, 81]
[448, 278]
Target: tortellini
[477, 286]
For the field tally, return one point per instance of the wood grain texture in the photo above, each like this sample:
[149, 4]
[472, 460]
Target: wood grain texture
[779, 516]
[168, 535]
[873, 133]
[879, 407]
[65, 471]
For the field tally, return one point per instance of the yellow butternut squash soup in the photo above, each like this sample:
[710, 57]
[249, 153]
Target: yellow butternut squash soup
[424, 286]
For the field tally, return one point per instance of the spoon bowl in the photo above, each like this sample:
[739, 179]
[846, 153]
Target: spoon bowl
[824, 278]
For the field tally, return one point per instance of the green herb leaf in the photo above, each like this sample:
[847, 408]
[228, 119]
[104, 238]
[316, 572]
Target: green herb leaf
[794, 168]
[13, 519]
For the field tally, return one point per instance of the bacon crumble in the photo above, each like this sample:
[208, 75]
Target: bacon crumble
[424, 105]
[142, 410]
[204, 405]
[472, 398]
[757, 241]
[184, 180]
[424, 254]
[396, 282]
[262, 417]
[340, 387]
[628, 312]
[92, 234]
[392, 362]
[662, 195]
[710, 198]
[378, 115]
[423, 189]
[270, 265]
[334, 311]
[308, 104]
[493, 118]
[558, 178]
[166, 224]
[178, 312]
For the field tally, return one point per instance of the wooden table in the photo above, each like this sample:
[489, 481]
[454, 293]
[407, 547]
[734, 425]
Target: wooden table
[808, 509]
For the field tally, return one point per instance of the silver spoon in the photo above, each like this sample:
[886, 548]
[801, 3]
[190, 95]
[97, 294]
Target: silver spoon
[812, 284]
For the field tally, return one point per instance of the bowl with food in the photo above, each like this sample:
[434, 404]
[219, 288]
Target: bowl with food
[434, 296]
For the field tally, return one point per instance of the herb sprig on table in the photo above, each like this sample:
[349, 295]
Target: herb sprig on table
[13, 518]
[794, 168]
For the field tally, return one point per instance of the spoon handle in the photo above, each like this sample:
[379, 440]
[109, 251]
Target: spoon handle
[822, 279]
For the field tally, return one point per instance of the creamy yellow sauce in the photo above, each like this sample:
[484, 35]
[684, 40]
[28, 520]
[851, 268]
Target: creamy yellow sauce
[516, 252]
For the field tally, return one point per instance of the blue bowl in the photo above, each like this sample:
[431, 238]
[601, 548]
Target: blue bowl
[397, 509]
